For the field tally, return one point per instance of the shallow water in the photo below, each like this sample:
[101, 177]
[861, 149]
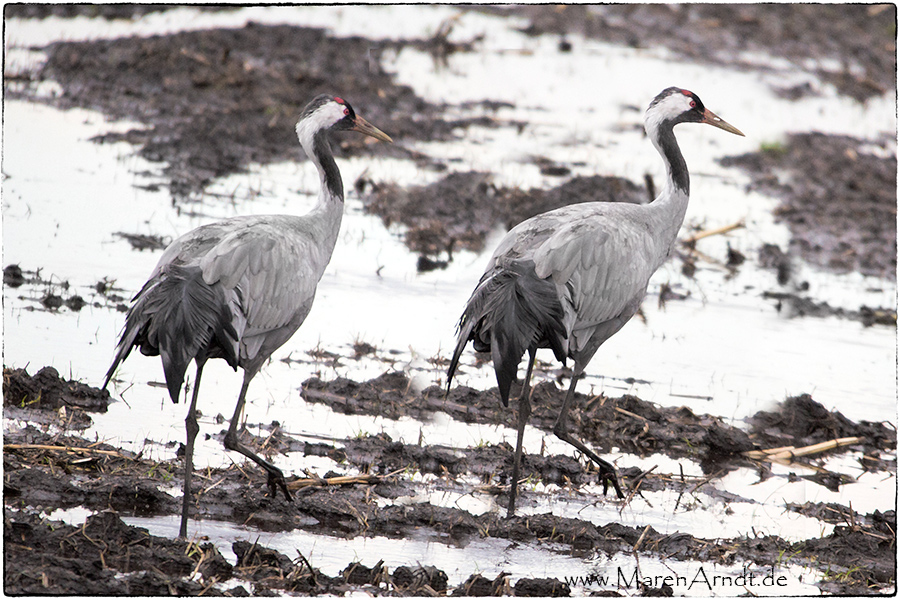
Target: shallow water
[724, 350]
[534, 560]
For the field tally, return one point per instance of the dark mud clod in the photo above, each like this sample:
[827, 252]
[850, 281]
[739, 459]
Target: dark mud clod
[725, 444]
[772, 257]
[140, 241]
[75, 302]
[12, 276]
[801, 421]
[542, 588]
[479, 585]
[360, 574]
[412, 580]
[47, 390]
[52, 301]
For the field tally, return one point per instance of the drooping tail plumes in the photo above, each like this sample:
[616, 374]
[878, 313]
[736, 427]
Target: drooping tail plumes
[180, 317]
[509, 312]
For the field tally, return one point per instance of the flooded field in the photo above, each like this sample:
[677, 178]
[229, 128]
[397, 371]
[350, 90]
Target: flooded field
[123, 131]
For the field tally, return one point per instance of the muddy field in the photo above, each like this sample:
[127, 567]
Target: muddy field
[212, 102]
[44, 471]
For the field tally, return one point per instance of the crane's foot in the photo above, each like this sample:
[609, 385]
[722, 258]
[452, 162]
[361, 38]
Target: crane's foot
[276, 482]
[607, 476]
[276, 477]
[607, 471]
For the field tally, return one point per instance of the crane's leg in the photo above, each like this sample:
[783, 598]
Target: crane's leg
[561, 429]
[276, 477]
[522, 413]
[191, 426]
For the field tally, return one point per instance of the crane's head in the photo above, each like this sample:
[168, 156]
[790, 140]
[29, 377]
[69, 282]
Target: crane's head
[331, 113]
[675, 105]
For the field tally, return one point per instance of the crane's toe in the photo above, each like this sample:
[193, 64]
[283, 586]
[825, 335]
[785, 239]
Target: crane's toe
[276, 481]
[607, 477]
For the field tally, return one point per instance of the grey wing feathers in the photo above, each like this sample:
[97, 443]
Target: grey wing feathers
[511, 311]
[558, 279]
[276, 275]
[178, 316]
[235, 289]
[602, 265]
[470, 318]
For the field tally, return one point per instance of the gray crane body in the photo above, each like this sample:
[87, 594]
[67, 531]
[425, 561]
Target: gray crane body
[239, 288]
[236, 289]
[570, 278]
[600, 257]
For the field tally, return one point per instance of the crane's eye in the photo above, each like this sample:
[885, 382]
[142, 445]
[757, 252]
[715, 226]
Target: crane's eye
[346, 111]
[693, 104]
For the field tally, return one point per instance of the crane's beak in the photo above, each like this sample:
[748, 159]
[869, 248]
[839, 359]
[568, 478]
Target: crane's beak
[710, 118]
[364, 127]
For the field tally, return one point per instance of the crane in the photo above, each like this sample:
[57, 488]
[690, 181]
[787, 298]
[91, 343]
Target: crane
[239, 288]
[570, 278]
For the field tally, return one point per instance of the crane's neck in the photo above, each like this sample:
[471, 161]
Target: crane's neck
[670, 205]
[667, 146]
[326, 215]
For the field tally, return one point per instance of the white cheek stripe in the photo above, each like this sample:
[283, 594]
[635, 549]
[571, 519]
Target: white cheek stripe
[672, 106]
[323, 117]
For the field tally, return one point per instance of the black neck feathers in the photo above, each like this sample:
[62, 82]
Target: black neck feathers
[678, 170]
[334, 186]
